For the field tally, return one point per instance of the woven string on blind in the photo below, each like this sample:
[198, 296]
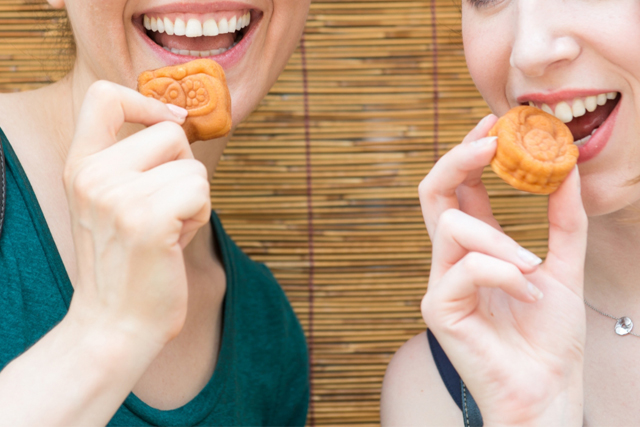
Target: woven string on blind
[321, 181]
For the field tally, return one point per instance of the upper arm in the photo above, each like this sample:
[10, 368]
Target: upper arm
[413, 393]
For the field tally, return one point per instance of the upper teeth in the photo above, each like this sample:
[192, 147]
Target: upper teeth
[567, 110]
[196, 27]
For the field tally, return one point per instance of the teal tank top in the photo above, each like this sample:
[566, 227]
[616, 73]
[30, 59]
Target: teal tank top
[261, 376]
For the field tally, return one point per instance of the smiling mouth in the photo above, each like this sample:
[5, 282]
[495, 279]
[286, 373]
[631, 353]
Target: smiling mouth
[583, 116]
[199, 35]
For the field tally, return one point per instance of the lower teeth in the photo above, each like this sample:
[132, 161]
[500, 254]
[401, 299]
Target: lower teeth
[586, 139]
[202, 53]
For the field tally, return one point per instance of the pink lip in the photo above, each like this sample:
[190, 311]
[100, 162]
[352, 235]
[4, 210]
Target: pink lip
[196, 8]
[563, 95]
[599, 140]
[227, 59]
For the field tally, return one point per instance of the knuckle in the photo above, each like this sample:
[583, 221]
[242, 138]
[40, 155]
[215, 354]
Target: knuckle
[511, 273]
[473, 262]
[194, 167]
[129, 219]
[201, 170]
[426, 306]
[496, 239]
[173, 131]
[102, 90]
[67, 176]
[106, 201]
[424, 188]
[449, 219]
[197, 188]
[200, 184]
[435, 315]
[84, 183]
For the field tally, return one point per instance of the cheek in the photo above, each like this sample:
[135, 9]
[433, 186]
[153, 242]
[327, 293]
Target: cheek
[249, 85]
[287, 25]
[100, 37]
[487, 51]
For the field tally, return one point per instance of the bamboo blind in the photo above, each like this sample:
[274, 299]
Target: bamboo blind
[321, 182]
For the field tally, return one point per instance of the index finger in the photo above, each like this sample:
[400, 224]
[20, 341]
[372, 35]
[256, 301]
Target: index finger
[464, 162]
[106, 107]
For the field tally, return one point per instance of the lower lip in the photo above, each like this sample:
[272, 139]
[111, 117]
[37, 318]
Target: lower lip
[227, 59]
[599, 140]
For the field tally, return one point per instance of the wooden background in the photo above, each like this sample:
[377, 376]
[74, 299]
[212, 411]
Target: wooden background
[321, 182]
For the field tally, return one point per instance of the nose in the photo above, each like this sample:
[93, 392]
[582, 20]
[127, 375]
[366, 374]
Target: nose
[543, 37]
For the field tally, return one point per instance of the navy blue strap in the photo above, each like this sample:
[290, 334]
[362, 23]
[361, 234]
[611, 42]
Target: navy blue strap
[456, 387]
[448, 373]
[470, 412]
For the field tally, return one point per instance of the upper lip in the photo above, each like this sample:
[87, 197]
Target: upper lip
[190, 7]
[559, 96]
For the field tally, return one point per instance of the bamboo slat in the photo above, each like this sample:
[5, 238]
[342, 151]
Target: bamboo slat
[321, 182]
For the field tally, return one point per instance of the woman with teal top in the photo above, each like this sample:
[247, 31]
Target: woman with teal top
[123, 301]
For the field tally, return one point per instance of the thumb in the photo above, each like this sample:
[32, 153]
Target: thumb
[106, 107]
[567, 233]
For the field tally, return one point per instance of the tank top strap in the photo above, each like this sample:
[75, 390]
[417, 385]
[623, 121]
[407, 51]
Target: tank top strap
[455, 386]
[3, 185]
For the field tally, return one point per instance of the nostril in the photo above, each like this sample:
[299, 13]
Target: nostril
[533, 56]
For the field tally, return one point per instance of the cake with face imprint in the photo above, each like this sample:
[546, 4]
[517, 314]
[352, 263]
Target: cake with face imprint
[200, 87]
[535, 150]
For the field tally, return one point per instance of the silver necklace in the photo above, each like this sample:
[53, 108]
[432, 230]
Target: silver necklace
[623, 326]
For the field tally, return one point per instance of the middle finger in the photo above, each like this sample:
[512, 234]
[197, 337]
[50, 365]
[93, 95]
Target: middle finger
[459, 233]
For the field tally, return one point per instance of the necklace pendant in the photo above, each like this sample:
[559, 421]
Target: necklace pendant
[624, 325]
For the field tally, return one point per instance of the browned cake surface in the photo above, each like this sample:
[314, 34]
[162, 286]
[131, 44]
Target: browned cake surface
[535, 150]
[198, 86]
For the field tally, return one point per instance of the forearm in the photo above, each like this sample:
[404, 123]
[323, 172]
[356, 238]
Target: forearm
[78, 374]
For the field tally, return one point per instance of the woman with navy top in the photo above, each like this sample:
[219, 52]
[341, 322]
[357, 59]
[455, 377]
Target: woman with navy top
[514, 340]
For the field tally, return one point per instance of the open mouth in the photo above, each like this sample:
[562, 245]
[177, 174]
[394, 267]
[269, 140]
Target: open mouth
[203, 35]
[584, 115]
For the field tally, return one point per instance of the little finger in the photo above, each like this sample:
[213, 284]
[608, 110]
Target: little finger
[187, 201]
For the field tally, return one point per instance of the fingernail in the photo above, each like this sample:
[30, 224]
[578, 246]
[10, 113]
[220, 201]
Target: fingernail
[529, 257]
[484, 141]
[179, 112]
[484, 119]
[534, 292]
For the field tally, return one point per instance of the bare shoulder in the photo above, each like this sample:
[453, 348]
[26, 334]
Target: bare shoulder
[6, 100]
[413, 393]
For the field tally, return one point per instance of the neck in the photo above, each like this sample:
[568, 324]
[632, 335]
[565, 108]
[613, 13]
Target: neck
[612, 264]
